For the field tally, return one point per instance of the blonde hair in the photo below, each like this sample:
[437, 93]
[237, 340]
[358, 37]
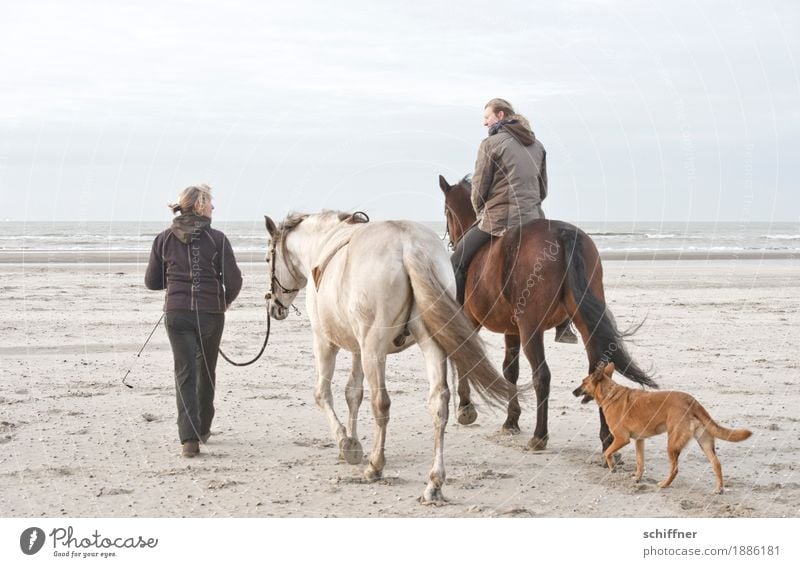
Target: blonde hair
[190, 198]
[502, 105]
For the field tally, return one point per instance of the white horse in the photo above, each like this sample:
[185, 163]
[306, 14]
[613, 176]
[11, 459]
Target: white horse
[375, 289]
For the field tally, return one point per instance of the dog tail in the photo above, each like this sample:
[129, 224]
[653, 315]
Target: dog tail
[715, 429]
[726, 434]
[452, 330]
[606, 342]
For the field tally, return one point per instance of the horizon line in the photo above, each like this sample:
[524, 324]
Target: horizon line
[260, 220]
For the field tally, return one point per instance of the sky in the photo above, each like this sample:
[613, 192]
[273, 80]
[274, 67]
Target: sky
[649, 111]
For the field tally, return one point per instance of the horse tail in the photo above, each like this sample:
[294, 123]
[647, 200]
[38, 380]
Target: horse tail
[606, 342]
[453, 332]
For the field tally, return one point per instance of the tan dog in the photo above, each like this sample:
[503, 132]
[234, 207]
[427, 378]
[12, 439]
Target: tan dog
[636, 414]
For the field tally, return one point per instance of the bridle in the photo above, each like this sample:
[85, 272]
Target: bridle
[446, 235]
[451, 246]
[270, 295]
[267, 296]
[273, 281]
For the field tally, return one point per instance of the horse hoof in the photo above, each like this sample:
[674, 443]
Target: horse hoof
[617, 461]
[511, 429]
[372, 475]
[537, 444]
[351, 451]
[467, 414]
[432, 497]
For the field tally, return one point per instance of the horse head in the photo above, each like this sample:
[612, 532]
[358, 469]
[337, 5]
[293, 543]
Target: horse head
[285, 278]
[457, 207]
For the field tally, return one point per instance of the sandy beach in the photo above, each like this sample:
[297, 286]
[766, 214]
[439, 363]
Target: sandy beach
[75, 442]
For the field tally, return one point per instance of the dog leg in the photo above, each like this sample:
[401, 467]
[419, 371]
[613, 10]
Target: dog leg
[639, 460]
[621, 439]
[676, 441]
[706, 442]
[673, 472]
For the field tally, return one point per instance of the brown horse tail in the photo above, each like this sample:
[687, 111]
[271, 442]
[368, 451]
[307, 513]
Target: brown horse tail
[453, 332]
[715, 429]
[607, 342]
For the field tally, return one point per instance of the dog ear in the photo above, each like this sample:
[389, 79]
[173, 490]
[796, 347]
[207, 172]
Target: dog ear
[609, 369]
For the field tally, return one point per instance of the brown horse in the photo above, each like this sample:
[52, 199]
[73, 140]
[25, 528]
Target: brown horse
[529, 280]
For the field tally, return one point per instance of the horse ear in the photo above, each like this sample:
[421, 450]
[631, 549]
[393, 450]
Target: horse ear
[271, 227]
[444, 184]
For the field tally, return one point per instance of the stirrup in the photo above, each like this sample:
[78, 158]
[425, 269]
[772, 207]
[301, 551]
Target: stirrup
[567, 335]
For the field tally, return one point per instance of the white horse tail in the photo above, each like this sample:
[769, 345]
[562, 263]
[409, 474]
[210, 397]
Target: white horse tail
[452, 330]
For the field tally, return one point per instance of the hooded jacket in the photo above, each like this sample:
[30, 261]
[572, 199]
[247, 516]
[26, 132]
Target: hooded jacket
[510, 178]
[195, 264]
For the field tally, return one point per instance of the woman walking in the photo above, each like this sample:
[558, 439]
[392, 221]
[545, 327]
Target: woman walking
[196, 266]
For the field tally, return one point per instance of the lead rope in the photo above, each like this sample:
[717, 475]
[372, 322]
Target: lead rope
[263, 347]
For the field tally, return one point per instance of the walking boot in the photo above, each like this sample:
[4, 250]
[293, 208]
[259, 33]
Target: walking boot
[190, 448]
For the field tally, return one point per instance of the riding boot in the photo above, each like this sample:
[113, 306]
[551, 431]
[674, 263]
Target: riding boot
[461, 280]
[565, 334]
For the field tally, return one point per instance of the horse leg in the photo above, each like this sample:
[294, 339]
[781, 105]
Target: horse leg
[351, 450]
[605, 433]
[534, 351]
[374, 364]
[325, 357]
[511, 373]
[467, 413]
[438, 400]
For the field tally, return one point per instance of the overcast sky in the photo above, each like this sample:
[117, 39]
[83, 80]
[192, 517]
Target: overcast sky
[674, 111]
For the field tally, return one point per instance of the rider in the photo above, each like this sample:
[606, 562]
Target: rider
[196, 265]
[508, 187]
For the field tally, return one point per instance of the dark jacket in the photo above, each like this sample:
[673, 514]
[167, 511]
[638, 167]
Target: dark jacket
[510, 179]
[195, 264]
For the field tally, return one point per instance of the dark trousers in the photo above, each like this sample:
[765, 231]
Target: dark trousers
[195, 338]
[465, 251]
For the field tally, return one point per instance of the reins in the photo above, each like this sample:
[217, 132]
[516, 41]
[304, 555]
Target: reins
[273, 280]
[450, 246]
[263, 347]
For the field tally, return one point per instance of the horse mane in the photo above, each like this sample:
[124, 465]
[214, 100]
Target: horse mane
[466, 180]
[293, 220]
[289, 223]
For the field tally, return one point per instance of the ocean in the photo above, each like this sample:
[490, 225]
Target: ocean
[633, 238]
